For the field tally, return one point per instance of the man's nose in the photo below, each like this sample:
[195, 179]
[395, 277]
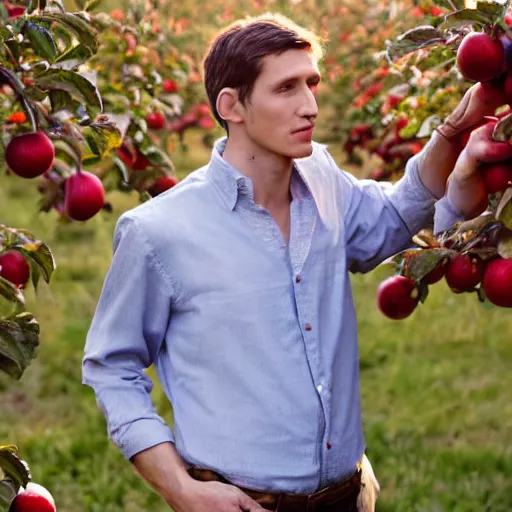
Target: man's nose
[309, 107]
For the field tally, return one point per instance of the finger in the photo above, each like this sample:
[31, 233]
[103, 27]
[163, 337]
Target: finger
[482, 148]
[247, 504]
[489, 97]
[479, 101]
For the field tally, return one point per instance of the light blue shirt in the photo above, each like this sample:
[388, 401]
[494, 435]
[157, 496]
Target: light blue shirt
[254, 341]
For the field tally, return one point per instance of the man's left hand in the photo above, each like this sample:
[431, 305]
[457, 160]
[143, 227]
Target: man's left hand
[466, 185]
[438, 158]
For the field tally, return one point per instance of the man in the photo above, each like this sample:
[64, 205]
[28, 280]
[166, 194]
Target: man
[235, 285]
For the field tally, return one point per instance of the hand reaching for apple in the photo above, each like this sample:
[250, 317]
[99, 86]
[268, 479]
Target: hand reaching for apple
[480, 100]
[467, 186]
[440, 156]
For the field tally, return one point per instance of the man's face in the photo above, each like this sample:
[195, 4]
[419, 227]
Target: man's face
[283, 103]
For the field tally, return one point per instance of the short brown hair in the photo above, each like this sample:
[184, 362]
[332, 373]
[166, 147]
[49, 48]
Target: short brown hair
[233, 58]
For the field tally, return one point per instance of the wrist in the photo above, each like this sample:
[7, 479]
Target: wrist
[177, 492]
[449, 132]
[436, 162]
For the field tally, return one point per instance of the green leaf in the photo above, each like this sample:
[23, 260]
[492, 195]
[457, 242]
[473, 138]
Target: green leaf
[12, 294]
[412, 40]
[123, 171]
[504, 209]
[13, 467]
[418, 265]
[42, 40]
[158, 157]
[35, 273]
[101, 139]
[61, 100]
[503, 130]
[42, 256]
[428, 126]
[450, 4]
[77, 86]
[486, 13]
[8, 491]
[92, 4]
[19, 338]
[505, 244]
[79, 54]
[85, 33]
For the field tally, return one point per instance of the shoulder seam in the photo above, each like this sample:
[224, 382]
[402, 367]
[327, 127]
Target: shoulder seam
[155, 261]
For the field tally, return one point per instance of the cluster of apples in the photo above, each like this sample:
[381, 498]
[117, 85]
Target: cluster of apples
[33, 498]
[32, 154]
[397, 296]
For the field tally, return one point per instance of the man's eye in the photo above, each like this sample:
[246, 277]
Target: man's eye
[287, 87]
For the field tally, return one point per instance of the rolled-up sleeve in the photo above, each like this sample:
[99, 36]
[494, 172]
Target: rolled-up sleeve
[125, 336]
[446, 215]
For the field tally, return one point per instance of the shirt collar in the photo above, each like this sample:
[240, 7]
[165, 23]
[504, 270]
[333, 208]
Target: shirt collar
[232, 184]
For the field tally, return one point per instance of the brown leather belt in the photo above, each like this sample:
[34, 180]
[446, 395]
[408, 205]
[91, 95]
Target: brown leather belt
[340, 497]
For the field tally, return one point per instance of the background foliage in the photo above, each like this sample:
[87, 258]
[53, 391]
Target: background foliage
[435, 386]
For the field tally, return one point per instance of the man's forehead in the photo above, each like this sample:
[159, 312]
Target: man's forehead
[289, 63]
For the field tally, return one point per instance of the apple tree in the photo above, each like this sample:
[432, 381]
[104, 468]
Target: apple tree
[474, 256]
[65, 113]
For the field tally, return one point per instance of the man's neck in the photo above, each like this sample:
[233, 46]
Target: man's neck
[270, 173]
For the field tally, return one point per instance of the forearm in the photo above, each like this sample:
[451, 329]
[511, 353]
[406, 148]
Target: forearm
[166, 472]
[435, 164]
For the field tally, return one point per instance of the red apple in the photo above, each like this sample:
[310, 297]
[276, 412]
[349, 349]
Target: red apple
[463, 273]
[169, 85]
[140, 161]
[479, 57]
[206, 122]
[14, 268]
[497, 282]
[161, 184]
[203, 109]
[84, 196]
[14, 11]
[30, 154]
[436, 274]
[125, 154]
[155, 120]
[395, 297]
[498, 176]
[34, 498]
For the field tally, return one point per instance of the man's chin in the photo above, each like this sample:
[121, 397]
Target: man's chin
[303, 151]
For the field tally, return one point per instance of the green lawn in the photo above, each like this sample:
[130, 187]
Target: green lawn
[436, 387]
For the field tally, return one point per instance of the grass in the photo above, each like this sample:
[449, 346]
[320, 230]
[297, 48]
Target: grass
[435, 387]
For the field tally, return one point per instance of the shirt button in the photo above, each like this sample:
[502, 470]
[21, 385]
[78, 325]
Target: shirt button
[319, 388]
[298, 278]
[307, 327]
[329, 445]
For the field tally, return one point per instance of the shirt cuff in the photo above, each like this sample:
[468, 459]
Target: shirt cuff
[143, 434]
[446, 215]
[413, 200]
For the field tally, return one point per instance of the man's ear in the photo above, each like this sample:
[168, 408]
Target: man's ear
[228, 106]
